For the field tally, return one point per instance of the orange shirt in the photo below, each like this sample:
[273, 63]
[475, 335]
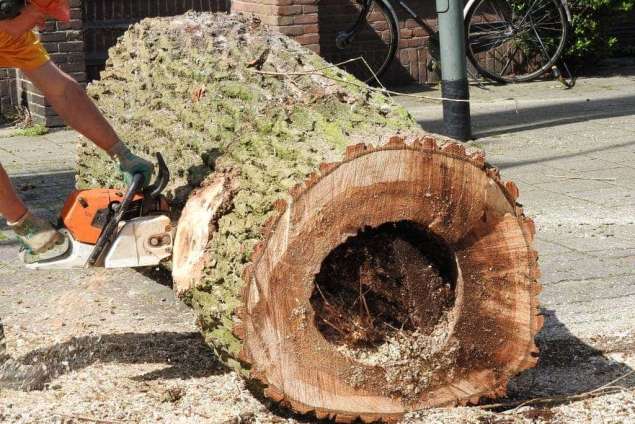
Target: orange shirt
[26, 51]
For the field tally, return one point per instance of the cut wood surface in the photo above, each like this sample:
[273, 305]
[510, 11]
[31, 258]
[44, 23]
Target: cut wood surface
[353, 264]
[196, 227]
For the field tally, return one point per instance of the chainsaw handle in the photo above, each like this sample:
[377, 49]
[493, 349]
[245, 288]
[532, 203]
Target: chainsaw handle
[111, 226]
[163, 177]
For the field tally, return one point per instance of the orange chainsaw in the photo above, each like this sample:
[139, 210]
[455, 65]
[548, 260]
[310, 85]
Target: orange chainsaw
[112, 229]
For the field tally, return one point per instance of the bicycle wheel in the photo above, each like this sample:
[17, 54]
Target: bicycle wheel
[515, 40]
[364, 32]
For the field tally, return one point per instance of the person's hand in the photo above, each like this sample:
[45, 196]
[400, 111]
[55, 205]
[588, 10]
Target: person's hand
[131, 164]
[29, 18]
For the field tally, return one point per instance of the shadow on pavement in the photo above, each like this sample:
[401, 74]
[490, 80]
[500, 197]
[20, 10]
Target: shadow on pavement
[613, 67]
[186, 355]
[568, 366]
[544, 116]
[507, 165]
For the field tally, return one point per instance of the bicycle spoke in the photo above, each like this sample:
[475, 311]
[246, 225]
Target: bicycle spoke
[539, 10]
[542, 45]
[496, 42]
[499, 14]
[519, 49]
[509, 61]
[488, 43]
[527, 13]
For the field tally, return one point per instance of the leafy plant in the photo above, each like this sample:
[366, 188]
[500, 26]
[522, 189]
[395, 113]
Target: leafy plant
[589, 36]
[31, 131]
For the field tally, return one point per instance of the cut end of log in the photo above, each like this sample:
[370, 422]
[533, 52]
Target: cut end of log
[399, 279]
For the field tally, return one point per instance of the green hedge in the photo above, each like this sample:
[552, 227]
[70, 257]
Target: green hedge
[590, 39]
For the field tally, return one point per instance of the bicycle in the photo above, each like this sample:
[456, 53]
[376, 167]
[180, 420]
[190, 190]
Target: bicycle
[507, 41]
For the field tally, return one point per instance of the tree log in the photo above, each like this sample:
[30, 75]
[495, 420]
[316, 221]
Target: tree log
[353, 264]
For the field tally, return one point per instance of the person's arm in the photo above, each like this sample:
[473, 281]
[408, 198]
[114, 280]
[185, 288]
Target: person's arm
[29, 18]
[70, 102]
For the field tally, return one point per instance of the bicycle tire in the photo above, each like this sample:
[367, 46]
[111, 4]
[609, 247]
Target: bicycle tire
[498, 76]
[368, 49]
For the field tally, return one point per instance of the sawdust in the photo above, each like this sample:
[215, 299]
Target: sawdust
[106, 363]
[401, 348]
[411, 362]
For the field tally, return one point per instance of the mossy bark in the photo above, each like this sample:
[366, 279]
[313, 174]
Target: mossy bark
[189, 87]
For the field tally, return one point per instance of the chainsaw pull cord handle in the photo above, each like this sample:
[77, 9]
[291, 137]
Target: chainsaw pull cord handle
[113, 223]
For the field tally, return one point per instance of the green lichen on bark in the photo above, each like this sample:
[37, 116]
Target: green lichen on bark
[187, 87]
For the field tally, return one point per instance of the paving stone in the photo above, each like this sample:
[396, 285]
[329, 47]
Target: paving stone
[608, 197]
[602, 306]
[549, 247]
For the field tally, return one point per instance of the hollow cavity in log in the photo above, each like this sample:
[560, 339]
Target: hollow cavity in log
[394, 279]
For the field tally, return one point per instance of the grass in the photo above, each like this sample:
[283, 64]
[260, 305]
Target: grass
[30, 131]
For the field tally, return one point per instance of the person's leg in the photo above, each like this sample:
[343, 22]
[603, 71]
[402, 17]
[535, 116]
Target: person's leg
[35, 233]
[11, 206]
[73, 105]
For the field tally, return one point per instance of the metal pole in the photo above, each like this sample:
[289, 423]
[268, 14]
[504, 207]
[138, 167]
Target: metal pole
[454, 85]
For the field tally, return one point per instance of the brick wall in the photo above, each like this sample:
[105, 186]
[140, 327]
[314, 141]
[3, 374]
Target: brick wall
[413, 53]
[296, 18]
[106, 20]
[313, 24]
[80, 46]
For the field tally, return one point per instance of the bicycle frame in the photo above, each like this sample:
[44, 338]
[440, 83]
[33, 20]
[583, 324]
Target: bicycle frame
[346, 37]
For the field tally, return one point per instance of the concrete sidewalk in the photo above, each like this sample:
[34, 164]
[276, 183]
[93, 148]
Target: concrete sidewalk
[571, 152]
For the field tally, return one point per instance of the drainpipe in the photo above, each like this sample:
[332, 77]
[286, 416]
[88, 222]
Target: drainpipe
[454, 84]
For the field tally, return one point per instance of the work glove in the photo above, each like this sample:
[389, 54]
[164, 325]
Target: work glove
[131, 164]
